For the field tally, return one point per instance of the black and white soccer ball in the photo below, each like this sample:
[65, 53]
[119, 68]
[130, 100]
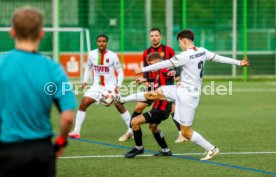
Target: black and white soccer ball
[107, 97]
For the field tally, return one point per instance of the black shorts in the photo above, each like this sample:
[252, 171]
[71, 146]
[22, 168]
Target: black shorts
[30, 158]
[156, 116]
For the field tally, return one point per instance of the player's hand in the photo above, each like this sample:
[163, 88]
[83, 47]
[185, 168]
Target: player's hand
[138, 71]
[117, 89]
[140, 80]
[171, 73]
[83, 85]
[245, 62]
[59, 145]
[177, 78]
[59, 152]
[147, 84]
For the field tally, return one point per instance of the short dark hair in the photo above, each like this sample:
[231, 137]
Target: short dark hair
[186, 34]
[102, 35]
[154, 56]
[27, 23]
[155, 29]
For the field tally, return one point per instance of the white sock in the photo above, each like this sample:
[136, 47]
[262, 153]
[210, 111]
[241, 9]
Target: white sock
[199, 140]
[126, 117]
[80, 117]
[130, 131]
[139, 147]
[165, 150]
[179, 133]
[134, 97]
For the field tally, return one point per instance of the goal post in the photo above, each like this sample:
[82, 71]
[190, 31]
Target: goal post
[71, 50]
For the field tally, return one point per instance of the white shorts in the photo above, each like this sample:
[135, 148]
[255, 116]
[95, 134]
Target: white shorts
[95, 91]
[186, 100]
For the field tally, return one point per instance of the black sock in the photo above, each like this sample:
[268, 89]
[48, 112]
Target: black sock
[175, 122]
[159, 137]
[138, 137]
[134, 114]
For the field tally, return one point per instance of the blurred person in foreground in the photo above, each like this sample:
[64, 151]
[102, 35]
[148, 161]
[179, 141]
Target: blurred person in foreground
[29, 85]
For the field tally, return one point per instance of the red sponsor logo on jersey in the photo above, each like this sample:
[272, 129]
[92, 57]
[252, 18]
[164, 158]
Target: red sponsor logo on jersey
[101, 69]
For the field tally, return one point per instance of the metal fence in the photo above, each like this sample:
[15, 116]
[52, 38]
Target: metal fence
[234, 28]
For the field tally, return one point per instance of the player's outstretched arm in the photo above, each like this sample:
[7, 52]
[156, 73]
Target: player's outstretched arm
[120, 79]
[221, 59]
[226, 60]
[155, 67]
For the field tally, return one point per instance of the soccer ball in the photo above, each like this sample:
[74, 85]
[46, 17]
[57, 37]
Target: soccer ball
[107, 98]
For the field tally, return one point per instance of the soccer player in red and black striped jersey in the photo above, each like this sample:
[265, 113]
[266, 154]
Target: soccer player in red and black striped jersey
[160, 111]
[166, 52]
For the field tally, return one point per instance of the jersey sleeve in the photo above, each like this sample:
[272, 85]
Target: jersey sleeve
[220, 59]
[158, 66]
[87, 71]
[209, 55]
[64, 97]
[89, 61]
[117, 63]
[179, 60]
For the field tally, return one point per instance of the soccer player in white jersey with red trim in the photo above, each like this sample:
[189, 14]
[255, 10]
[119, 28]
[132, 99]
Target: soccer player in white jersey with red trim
[186, 94]
[104, 63]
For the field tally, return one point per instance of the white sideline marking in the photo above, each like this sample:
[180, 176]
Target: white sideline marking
[255, 90]
[148, 155]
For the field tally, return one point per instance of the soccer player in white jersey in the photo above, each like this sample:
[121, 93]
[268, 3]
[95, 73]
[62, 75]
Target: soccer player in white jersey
[186, 94]
[104, 63]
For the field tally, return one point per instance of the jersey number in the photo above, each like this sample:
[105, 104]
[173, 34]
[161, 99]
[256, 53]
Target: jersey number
[200, 66]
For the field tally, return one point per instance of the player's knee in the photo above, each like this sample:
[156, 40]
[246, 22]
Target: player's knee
[151, 95]
[120, 108]
[187, 132]
[186, 135]
[148, 95]
[153, 128]
[134, 125]
[139, 109]
[82, 107]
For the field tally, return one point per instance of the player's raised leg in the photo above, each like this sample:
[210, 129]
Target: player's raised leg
[141, 96]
